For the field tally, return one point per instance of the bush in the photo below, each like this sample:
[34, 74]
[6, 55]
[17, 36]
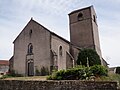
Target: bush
[37, 72]
[44, 71]
[58, 75]
[13, 74]
[79, 73]
[99, 70]
[6, 76]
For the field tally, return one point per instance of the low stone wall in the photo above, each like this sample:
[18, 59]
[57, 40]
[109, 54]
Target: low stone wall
[56, 85]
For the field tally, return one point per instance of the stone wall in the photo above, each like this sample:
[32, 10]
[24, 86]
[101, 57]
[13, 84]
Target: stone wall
[56, 85]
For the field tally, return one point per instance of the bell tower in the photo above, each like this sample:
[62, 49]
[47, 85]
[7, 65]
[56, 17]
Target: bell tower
[84, 29]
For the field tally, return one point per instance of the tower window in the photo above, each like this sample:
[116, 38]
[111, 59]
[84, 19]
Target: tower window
[60, 50]
[94, 18]
[80, 16]
[30, 49]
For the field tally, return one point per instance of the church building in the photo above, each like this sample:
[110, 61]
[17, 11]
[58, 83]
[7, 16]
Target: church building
[37, 49]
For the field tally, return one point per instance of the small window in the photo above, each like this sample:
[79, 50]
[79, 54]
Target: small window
[94, 18]
[80, 16]
[60, 50]
[30, 49]
[30, 33]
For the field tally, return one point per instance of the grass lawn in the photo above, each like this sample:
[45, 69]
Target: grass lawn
[110, 77]
[27, 78]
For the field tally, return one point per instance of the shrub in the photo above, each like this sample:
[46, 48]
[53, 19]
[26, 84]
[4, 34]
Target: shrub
[13, 74]
[44, 71]
[88, 73]
[58, 75]
[77, 73]
[49, 77]
[37, 72]
[5, 76]
[99, 70]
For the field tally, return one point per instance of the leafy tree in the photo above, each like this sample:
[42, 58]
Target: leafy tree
[88, 57]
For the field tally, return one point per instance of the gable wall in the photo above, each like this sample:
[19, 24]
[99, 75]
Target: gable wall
[40, 40]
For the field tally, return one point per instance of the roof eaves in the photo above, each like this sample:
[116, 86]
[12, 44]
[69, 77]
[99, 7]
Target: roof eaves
[80, 9]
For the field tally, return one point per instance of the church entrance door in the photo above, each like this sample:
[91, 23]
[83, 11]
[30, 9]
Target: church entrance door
[30, 69]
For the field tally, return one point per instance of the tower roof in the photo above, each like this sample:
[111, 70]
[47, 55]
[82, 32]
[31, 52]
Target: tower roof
[81, 9]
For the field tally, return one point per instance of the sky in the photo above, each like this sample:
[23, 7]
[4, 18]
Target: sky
[53, 14]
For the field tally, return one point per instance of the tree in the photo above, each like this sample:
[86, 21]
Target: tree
[88, 57]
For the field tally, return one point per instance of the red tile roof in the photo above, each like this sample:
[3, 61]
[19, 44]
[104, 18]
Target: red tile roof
[4, 62]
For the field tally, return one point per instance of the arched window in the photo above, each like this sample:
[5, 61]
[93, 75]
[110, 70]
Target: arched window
[60, 51]
[30, 49]
[80, 16]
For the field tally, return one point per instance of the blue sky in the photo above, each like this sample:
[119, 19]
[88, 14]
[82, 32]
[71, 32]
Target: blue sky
[53, 14]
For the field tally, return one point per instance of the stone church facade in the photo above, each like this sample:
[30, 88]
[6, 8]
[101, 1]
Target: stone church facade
[37, 47]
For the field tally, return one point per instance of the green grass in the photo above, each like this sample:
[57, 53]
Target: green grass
[5, 77]
[111, 77]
